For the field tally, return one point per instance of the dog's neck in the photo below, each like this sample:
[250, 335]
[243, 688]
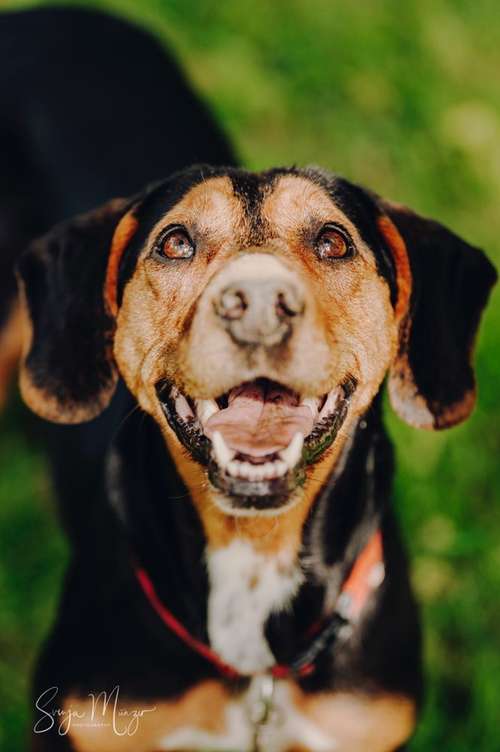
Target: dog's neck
[240, 594]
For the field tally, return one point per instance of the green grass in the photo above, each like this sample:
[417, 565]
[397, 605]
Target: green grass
[403, 97]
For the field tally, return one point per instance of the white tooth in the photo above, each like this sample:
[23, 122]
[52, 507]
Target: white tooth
[182, 407]
[267, 470]
[280, 468]
[205, 409]
[233, 468]
[291, 455]
[249, 471]
[223, 454]
[277, 469]
[258, 473]
[313, 404]
[330, 404]
[245, 469]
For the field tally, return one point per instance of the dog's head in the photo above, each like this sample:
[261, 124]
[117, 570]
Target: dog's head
[254, 316]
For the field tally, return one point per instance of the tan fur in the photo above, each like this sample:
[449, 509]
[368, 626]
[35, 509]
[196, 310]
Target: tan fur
[404, 279]
[378, 723]
[354, 722]
[11, 338]
[403, 393]
[124, 232]
[201, 707]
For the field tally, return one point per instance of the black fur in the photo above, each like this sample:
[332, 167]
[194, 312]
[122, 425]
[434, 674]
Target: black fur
[92, 108]
[451, 284]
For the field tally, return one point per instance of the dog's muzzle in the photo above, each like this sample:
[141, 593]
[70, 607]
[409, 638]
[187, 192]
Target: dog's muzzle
[256, 432]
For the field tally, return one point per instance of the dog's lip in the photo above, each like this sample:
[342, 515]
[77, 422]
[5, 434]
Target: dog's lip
[265, 479]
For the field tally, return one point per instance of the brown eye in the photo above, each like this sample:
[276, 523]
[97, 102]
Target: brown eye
[333, 243]
[175, 244]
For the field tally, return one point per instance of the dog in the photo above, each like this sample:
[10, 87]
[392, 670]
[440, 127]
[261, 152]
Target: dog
[214, 348]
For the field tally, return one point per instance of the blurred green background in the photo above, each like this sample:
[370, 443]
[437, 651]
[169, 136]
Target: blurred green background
[405, 98]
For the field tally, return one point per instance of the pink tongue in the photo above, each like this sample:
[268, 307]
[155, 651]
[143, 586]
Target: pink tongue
[260, 419]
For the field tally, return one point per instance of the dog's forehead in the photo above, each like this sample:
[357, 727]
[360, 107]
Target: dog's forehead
[293, 201]
[212, 205]
[267, 203]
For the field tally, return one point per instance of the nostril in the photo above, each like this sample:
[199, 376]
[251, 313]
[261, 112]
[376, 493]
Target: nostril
[232, 304]
[288, 305]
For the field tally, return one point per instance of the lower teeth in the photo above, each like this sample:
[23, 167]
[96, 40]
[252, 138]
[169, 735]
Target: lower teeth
[266, 471]
[287, 459]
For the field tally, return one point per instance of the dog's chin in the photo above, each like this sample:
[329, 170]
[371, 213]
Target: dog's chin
[241, 505]
[257, 439]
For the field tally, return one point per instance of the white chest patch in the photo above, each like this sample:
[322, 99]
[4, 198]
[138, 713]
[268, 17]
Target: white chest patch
[245, 588]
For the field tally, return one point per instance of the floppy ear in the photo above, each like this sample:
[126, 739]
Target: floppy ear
[67, 283]
[431, 383]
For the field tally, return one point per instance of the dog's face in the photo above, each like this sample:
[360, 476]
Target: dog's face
[254, 316]
[257, 320]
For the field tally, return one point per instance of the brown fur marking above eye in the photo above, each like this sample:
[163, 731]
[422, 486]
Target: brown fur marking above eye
[214, 210]
[294, 202]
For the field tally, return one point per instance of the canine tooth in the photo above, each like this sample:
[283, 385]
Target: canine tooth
[291, 455]
[330, 404]
[182, 406]
[223, 454]
[280, 467]
[233, 468]
[205, 408]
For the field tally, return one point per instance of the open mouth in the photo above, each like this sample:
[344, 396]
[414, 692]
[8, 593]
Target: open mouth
[257, 439]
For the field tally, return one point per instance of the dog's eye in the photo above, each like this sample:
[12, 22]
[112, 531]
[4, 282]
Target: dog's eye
[333, 243]
[175, 244]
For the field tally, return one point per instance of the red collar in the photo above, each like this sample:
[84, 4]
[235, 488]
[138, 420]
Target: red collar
[366, 575]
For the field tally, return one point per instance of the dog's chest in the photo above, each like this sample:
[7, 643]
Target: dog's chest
[246, 586]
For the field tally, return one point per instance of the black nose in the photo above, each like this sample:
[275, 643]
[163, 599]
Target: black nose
[259, 311]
